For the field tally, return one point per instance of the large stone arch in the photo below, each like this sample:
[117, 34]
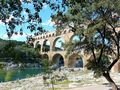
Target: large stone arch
[54, 48]
[57, 60]
[45, 56]
[79, 62]
[75, 60]
[45, 47]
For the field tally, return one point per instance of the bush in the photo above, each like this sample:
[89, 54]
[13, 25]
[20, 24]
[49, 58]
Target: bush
[98, 67]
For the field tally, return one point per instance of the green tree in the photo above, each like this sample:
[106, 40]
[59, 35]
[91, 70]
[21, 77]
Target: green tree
[97, 23]
[18, 53]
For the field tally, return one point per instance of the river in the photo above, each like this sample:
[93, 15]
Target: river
[10, 75]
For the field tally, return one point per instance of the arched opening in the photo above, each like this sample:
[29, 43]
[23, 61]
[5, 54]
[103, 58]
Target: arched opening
[37, 46]
[75, 38]
[50, 35]
[75, 61]
[53, 34]
[65, 32]
[46, 36]
[46, 46]
[57, 61]
[58, 44]
[45, 56]
[78, 63]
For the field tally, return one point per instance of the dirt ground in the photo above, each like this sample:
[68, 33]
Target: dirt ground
[97, 87]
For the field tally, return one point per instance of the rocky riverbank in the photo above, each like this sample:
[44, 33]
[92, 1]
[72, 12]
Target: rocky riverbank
[11, 65]
[33, 83]
[61, 79]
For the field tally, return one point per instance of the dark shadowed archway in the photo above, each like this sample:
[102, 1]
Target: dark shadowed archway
[78, 63]
[45, 56]
[75, 61]
[37, 46]
[46, 46]
[57, 61]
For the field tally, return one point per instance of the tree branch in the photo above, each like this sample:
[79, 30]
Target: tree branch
[93, 54]
[114, 39]
[101, 52]
[113, 28]
[103, 42]
[112, 64]
[110, 49]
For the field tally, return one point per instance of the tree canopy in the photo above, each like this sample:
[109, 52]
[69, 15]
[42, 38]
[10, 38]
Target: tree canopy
[98, 23]
[11, 14]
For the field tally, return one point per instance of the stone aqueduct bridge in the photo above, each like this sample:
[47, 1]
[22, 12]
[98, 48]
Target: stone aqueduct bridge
[53, 55]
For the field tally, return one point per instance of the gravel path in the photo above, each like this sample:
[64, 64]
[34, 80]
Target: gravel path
[97, 87]
[34, 83]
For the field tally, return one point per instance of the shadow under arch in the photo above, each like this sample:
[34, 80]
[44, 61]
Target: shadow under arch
[75, 61]
[57, 61]
[45, 56]
[37, 46]
[46, 46]
[58, 44]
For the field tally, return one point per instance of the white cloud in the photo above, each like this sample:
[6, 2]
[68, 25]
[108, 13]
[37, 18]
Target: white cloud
[15, 37]
[27, 0]
[48, 23]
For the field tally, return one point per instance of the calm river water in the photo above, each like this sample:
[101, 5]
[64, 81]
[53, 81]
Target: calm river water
[11, 75]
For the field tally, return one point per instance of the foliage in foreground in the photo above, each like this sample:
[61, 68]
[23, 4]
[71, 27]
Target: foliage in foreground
[98, 68]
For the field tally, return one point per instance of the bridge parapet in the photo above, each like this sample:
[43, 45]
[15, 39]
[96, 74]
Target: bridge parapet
[51, 34]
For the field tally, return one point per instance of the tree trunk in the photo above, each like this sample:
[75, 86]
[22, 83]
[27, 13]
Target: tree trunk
[112, 83]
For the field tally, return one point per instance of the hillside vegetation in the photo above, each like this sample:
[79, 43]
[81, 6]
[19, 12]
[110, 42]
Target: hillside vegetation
[17, 52]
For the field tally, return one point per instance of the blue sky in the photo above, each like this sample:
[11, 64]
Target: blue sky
[45, 13]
